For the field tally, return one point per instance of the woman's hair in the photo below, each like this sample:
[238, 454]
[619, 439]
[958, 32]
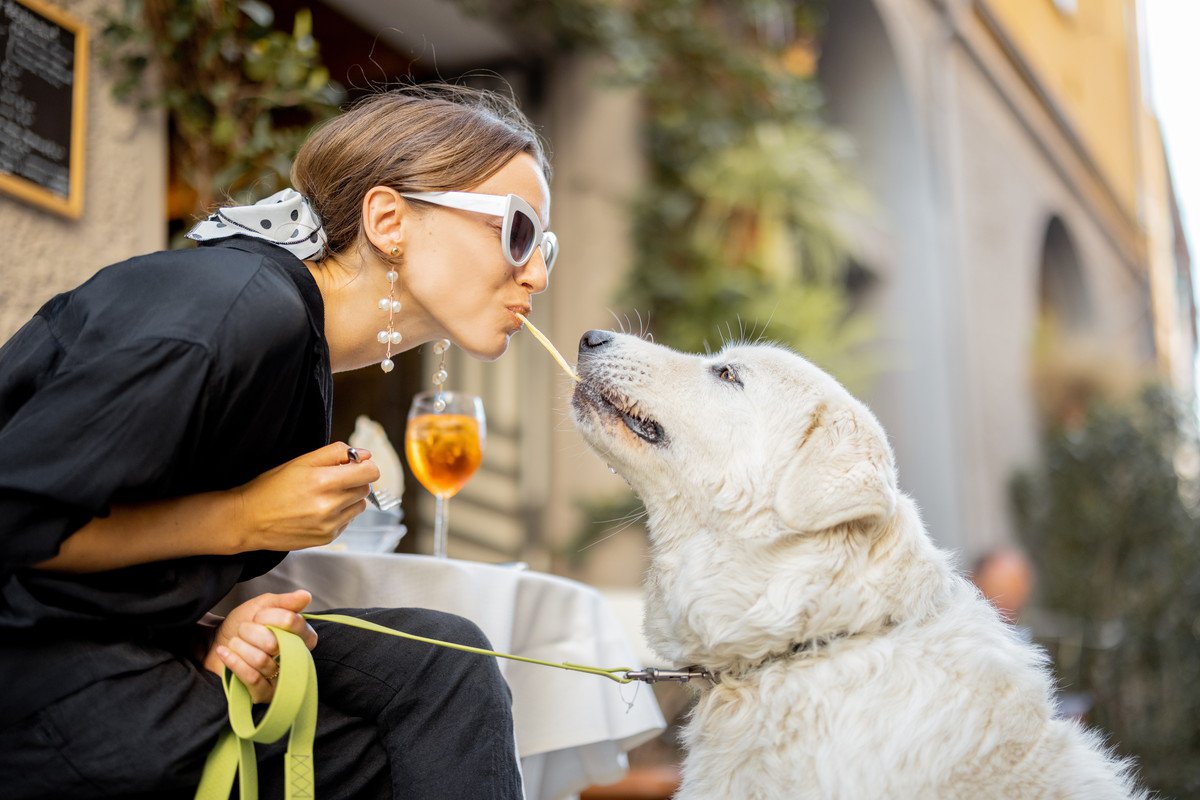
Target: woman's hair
[424, 138]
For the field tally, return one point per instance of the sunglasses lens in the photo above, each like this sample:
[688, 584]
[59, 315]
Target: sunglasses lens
[520, 237]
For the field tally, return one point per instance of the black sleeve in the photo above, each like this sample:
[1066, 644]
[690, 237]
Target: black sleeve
[107, 427]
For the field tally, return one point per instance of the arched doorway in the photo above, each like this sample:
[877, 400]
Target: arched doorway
[1063, 298]
[1070, 364]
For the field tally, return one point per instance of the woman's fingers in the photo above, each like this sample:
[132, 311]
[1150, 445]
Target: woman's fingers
[261, 690]
[350, 476]
[327, 456]
[360, 454]
[295, 600]
[353, 499]
[261, 660]
[335, 454]
[288, 621]
[349, 512]
[280, 618]
[259, 636]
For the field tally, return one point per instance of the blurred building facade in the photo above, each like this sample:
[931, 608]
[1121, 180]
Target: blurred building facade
[1020, 174]
[1015, 167]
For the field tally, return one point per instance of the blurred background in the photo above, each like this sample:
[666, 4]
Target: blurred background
[964, 209]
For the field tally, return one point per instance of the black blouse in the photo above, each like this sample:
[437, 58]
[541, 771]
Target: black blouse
[166, 375]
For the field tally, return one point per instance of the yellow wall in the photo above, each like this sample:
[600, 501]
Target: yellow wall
[1088, 63]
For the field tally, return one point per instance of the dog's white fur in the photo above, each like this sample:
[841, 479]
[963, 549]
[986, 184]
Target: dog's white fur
[775, 520]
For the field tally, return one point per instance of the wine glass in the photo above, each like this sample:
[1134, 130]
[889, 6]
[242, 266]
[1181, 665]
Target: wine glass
[444, 444]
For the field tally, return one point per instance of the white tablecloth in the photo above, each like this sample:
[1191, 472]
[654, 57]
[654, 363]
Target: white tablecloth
[572, 729]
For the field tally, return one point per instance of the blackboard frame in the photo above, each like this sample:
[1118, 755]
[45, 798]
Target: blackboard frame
[72, 205]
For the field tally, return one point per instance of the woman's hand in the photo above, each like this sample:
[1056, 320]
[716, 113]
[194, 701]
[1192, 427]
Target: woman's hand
[245, 645]
[305, 502]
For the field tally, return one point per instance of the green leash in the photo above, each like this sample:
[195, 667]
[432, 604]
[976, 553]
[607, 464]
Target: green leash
[294, 710]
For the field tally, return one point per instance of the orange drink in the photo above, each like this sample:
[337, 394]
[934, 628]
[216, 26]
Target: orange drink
[443, 450]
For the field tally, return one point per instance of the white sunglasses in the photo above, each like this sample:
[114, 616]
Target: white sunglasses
[522, 231]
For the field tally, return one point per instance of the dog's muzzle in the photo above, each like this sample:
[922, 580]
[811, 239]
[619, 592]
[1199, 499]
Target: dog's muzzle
[595, 393]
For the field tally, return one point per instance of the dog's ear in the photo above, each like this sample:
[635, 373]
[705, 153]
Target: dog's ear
[841, 472]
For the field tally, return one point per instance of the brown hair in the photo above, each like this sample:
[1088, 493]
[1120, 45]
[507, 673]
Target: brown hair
[425, 138]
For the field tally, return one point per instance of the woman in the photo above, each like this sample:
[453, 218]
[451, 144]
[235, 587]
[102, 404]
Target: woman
[164, 434]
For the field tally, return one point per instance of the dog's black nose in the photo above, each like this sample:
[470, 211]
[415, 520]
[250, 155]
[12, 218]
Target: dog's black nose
[594, 340]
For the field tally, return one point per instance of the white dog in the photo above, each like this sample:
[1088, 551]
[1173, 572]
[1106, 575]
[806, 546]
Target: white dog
[850, 660]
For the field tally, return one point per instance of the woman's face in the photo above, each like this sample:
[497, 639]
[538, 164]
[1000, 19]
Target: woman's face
[455, 271]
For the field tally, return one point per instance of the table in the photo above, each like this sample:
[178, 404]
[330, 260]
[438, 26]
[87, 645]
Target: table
[572, 729]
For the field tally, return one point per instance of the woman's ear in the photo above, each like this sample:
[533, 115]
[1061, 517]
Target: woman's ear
[383, 213]
[841, 472]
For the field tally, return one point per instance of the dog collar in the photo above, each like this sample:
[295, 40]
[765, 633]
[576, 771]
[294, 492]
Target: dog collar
[714, 676]
[806, 648]
[697, 672]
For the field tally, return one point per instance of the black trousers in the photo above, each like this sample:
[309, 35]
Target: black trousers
[397, 719]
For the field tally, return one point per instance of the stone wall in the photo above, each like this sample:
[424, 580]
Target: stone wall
[125, 178]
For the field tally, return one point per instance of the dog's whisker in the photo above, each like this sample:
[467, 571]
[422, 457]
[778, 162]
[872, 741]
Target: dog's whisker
[767, 326]
[621, 529]
[616, 319]
[630, 517]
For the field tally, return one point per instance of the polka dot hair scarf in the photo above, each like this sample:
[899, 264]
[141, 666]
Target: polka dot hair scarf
[285, 219]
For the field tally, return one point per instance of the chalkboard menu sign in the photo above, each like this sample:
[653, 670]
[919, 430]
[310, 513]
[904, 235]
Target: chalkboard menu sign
[43, 89]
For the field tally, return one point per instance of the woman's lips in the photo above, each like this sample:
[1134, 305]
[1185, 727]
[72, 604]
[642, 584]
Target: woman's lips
[512, 314]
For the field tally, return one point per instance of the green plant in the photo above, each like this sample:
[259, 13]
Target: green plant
[1111, 518]
[240, 95]
[736, 224]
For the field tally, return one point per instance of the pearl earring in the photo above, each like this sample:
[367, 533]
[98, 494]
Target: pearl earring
[440, 347]
[390, 336]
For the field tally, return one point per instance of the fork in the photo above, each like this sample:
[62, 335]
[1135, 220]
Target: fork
[382, 498]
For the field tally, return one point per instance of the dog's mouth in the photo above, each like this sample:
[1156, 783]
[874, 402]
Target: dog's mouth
[607, 401]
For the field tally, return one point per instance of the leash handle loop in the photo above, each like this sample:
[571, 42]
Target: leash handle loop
[293, 709]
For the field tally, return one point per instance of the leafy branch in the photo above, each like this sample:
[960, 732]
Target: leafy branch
[240, 95]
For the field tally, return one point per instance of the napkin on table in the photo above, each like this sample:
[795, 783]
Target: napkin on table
[369, 434]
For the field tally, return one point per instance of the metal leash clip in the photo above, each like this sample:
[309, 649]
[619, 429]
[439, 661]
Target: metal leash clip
[655, 675]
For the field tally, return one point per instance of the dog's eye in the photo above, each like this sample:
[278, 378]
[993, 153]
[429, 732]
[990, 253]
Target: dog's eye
[728, 374]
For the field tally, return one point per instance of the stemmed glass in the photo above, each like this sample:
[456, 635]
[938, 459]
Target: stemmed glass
[444, 444]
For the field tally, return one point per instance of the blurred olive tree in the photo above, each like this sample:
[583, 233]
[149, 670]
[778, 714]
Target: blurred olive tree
[1110, 515]
[239, 94]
